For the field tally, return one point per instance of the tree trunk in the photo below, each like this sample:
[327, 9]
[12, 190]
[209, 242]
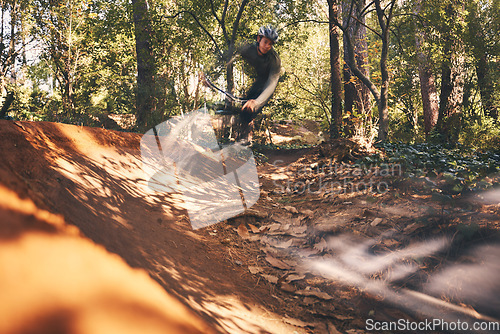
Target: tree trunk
[67, 98]
[232, 43]
[229, 75]
[480, 52]
[12, 44]
[430, 102]
[356, 95]
[452, 86]
[23, 39]
[335, 78]
[146, 67]
[486, 87]
[428, 91]
[384, 20]
[451, 99]
[6, 104]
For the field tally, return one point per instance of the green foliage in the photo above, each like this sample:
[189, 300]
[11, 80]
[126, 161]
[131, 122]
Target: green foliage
[462, 169]
[304, 92]
[86, 65]
[481, 133]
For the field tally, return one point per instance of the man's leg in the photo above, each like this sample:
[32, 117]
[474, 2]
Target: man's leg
[246, 126]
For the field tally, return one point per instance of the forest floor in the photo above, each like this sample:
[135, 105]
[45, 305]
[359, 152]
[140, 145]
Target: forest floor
[331, 246]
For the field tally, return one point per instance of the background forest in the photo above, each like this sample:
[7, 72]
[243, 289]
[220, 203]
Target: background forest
[410, 71]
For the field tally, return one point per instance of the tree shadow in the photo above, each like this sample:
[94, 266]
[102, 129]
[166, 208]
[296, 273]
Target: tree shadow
[93, 178]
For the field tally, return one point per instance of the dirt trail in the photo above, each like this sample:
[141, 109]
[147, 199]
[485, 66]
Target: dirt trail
[325, 249]
[92, 179]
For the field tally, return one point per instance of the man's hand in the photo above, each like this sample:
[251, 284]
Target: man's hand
[249, 106]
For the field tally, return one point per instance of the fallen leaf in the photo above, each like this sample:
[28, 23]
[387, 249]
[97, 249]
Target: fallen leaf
[376, 221]
[277, 263]
[321, 246]
[342, 317]
[285, 245]
[291, 209]
[292, 277]
[282, 218]
[254, 229]
[274, 227]
[314, 293]
[263, 229]
[306, 252]
[243, 231]
[254, 270]
[291, 263]
[270, 278]
[332, 329]
[287, 287]
[255, 213]
[324, 227]
[308, 213]
[412, 228]
[298, 231]
[266, 241]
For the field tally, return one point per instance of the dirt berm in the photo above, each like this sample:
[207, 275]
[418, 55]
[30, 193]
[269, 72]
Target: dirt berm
[84, 249]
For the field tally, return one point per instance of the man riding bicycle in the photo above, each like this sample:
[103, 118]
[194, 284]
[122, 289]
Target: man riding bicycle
[267, 66]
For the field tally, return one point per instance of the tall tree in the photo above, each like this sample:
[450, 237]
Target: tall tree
[384, 17]
[452, 74]
[335, 79]
[146, 66]
[356, 94]
[430, 100]
[59, 26]
[481, 51]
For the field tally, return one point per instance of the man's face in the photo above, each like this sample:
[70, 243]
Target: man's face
[265, 45]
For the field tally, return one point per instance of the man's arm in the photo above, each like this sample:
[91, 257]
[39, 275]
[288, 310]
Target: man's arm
[268, 91]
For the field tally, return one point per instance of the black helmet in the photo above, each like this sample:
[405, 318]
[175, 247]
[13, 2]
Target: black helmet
[269, 32]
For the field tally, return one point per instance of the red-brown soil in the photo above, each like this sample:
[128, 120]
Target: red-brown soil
[85, 249]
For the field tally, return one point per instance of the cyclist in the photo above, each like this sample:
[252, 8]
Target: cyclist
[267, 66]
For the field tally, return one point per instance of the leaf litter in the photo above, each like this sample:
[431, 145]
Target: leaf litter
[292, 232]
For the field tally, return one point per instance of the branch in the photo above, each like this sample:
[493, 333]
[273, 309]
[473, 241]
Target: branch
[367, 27]
[302, 21]
[199, 24]
[224, 12]
[349, 16]
[391, 11]
[321, 104]
[397, 38]
[338, 25]
[366, 8]
[213, 12]
[421, 20]
[221, 20]
[237, 21]
[351, 61]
